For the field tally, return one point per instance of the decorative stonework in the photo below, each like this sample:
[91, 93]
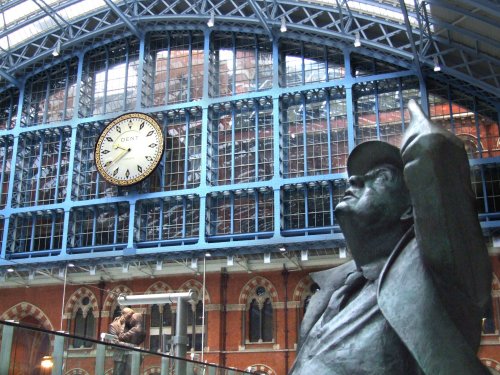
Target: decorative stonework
[111, 299]
[75, 302]
[302, 290]
[249, 290]
[261, 369]
[195, 285]
[159, 287]
[24, 309]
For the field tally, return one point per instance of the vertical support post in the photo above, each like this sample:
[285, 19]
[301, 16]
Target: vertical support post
[58, 355]
[165, 366]
[7, 337]
[180, 339]
[135, 362]
[100, 358]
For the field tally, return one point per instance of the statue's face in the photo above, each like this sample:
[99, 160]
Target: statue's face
[376, 199]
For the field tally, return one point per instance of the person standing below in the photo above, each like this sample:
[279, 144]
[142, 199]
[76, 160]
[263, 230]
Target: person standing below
[412, 299]
[129, 330]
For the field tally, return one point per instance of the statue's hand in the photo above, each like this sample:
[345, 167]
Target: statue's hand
[423, 136]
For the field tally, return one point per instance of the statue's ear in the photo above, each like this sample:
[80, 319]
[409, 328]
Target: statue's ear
[408, 214]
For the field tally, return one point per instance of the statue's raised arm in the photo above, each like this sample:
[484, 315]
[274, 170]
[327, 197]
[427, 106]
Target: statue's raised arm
[437, 174]
[412, 299]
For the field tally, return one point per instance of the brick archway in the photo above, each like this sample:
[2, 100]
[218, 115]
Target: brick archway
[112, 297]
[24, 309]
[76, 297]
[302, 289]
[196, 285]
[250, 286]
[261, 369]
[159, 287]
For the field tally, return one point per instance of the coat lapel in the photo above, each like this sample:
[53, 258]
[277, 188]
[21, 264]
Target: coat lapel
[328, 281]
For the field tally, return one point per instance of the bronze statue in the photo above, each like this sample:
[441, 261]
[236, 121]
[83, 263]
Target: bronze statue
[412, 299]
[129, 330]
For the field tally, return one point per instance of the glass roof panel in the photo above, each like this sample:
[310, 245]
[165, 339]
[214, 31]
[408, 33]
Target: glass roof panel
[23, 11]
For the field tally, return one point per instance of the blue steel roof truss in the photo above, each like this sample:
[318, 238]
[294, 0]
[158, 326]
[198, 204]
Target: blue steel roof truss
[383, 39]
[305, 18]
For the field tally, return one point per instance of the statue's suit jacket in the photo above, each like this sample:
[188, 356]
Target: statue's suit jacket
[436, 283]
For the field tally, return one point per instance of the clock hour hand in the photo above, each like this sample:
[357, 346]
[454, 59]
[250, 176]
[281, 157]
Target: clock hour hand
[119, 146]
[118, 157]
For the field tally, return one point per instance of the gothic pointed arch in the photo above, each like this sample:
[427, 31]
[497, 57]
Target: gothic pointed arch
[261, 369]
[159, 287]
[252, 285]
[196, 285]
[29, 346]
[111, 302]
[26, 309]
[75, 301]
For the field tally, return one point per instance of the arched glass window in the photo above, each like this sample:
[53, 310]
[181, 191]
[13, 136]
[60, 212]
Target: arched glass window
[84, 324]
[160, 333]
[195, 326]
[260, 317]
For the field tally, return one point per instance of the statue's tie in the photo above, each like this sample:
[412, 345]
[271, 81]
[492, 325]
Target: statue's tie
[353, 283]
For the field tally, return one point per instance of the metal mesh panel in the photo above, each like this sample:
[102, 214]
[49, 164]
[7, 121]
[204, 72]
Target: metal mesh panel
[314, 133]
[240, 212]
[109, 83]
[87, 182]
[35, 234]
[362, 66]
[50, 96]
[241, 63]
[475, 124]
[486, 186]
[241, 142]
[183, 149]
[170, 220]
[310, 206]
[8, 109]
[5, 168]
[380, 109]
[42, 167]
[95, 228]
[305, 63]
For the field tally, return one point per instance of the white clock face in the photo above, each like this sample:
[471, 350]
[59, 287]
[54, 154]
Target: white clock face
[129, 149]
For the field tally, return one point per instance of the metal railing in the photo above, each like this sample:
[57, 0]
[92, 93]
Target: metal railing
[27, 350]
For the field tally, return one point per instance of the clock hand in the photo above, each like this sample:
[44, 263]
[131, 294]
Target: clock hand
[118, 146]
[119, 156]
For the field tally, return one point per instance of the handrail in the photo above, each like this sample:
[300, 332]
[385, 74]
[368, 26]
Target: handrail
[119, 346]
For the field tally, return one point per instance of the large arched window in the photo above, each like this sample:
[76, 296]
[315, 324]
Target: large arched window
[161, 331]
[84, 325]
[195, 326]
[260, 316]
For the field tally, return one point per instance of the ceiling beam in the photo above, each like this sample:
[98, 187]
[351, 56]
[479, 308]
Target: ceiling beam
[124, 18]
[262, 18]
[10, 78]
